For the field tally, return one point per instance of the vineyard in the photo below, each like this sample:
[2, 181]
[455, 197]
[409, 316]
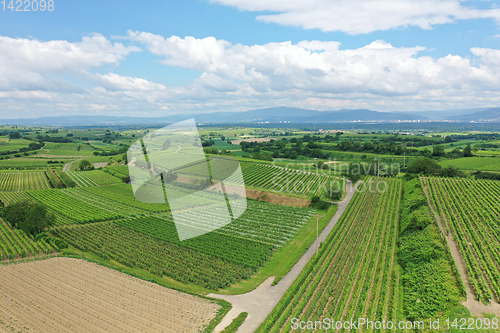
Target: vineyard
[15, 243]
[93, 178]
[21, 181]
[290, 181]
[149, 241]
[72, 207]
[355, 274]
[123, 193]
[48, 296]
[470, 210]
[133, 249]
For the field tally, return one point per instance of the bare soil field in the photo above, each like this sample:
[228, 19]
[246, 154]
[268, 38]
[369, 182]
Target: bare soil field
[72, 295]
[237, 142]
[100, 165]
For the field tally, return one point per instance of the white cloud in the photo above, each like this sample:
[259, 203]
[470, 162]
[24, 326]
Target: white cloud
[26, 63]
[115, 82]
[361, 16]
[322, 67]
[309, 74]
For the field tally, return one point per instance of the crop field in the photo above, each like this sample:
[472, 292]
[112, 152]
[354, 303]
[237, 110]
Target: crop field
[71, 207]
[123, 193]
[93, 178]
[470, 210]
[111, 241]
[355, 274]
[101, 178]
[71, 295]
[103, 202]
[290, 181]
[7, 144]
[221, 257]
[81, 179]
[21, 181]
[14, 243]
[474, 163]
[117, 170]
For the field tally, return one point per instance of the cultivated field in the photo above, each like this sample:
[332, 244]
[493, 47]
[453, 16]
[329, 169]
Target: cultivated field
[214, 260]
[290, 181]
[71, 295]
[355, 274]
[470, 210]
[474, 163]
[20, 181]
[15, 243]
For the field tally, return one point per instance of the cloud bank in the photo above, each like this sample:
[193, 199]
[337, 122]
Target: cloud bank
[362, 16]
[62, 77]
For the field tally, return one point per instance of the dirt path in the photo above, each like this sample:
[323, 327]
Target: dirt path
[67, 165]
[260, 302]
[476, 308]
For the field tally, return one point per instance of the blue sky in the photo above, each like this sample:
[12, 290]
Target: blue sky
[151, 58]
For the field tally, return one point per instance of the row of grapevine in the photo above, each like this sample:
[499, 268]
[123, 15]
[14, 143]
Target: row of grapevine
[248, 240]
[355, 274]
[291, 181]
[123, 193]
[14, 243]
[81, 179]
[100, 177]
[54, 178]
[9, 198]
[242, 251]
[471, 211]
[20, 181]
[134, 249]
[103, 202]
[71, 207]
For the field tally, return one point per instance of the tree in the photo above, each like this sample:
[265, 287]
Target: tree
[467, 151]
[37, 219]
[438, 150]
[15, 135]
[424, 165]
[32, 218]
[85, 165]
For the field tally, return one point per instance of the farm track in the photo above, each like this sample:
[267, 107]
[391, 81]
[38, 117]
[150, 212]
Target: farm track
[260, 302]
[475, 307]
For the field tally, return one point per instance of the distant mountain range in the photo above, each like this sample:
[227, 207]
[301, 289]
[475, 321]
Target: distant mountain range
[270, 115]
[489, 115]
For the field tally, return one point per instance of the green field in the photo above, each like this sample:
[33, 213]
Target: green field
[93, 178]
[214, 260]
[123, 193]
[470, 210]
[290, 181]
[355, 274]
[21, 181]
[474, 163]
[14, 243]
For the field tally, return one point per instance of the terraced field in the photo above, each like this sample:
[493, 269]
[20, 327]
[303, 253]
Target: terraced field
[290, 181]
[470, 210]
[355, 274]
